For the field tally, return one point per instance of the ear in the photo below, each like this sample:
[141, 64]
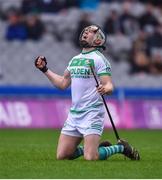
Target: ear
[97, 42]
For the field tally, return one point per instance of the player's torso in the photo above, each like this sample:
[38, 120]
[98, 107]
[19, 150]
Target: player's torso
[84, 94]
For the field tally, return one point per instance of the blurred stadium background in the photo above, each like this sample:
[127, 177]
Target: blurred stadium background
[29, 28]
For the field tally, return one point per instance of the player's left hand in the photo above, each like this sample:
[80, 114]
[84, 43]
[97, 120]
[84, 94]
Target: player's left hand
[101, 89]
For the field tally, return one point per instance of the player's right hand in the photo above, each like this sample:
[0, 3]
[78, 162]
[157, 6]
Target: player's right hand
[41, 63]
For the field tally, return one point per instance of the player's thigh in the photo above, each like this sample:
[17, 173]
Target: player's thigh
[91, 143]
[67, 146]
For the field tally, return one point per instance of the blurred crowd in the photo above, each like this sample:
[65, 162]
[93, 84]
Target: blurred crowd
[135, 36]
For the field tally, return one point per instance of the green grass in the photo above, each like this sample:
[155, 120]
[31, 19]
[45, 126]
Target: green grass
[31, 154]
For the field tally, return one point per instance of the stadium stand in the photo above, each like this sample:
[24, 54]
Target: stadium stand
[16, 64]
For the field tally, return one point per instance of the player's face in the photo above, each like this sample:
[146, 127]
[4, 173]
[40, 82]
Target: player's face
[88, 34]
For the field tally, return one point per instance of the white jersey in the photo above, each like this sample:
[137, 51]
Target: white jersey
[83, 85]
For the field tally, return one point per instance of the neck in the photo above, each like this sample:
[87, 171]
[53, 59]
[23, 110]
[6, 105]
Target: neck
[84, 50]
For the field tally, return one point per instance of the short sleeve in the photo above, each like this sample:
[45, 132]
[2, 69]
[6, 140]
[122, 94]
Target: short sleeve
[103, 66]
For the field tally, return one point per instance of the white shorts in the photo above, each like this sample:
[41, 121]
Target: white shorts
[85, 123]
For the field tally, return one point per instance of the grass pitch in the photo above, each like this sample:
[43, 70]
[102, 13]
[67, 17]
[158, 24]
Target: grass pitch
[31, 154]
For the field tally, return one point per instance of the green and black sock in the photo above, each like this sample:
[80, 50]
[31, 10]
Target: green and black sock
[108, 151]
[104, 152]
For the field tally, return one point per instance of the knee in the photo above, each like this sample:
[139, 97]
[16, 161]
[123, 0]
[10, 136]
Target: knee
[61, 156]
[91, 156]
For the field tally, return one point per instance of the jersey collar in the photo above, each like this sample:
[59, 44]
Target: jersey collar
[88, 51]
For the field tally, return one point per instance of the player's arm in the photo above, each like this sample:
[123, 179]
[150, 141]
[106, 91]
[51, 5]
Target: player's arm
[106, 85]
[61, 82]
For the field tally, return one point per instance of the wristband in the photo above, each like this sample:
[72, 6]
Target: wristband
[44, 69]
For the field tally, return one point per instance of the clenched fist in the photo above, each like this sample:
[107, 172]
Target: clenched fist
[41, 63]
